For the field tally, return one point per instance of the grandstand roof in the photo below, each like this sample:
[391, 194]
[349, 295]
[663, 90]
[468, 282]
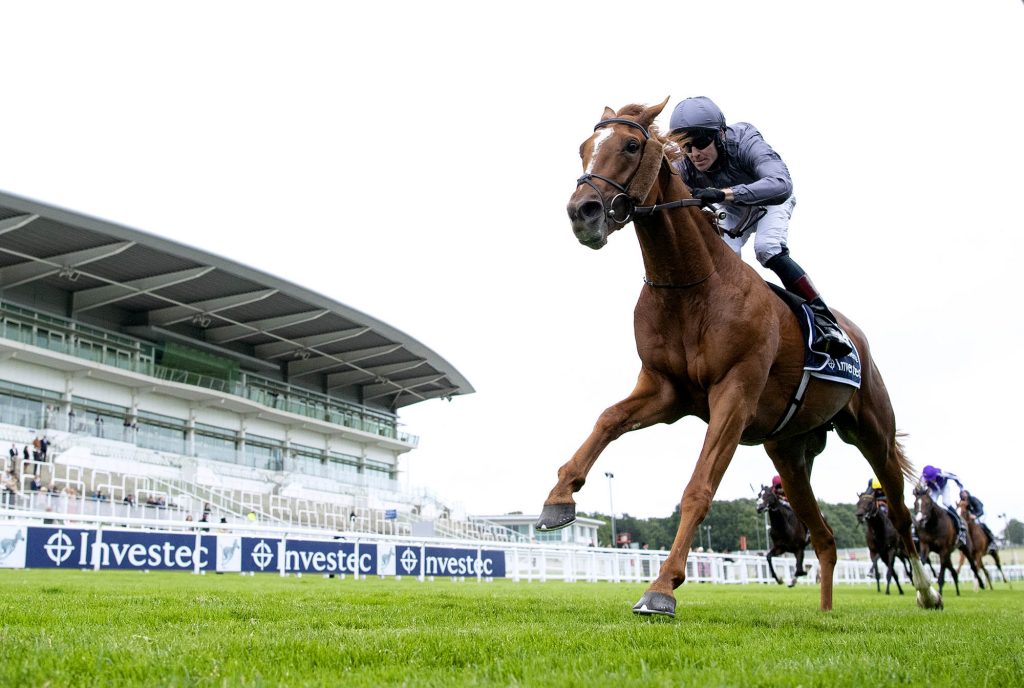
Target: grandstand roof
[123, 279]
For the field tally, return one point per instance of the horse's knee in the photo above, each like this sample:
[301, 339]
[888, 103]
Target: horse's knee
[697, 499]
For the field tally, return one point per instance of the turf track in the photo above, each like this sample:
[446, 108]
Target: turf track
[75, 628]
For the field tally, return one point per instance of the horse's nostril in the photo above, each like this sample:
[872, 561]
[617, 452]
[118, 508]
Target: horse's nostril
[591, 210]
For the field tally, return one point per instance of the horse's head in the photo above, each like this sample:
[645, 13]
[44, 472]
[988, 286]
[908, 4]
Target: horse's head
[766, 499]
[621, 162]
[866, 507]
[922, 503]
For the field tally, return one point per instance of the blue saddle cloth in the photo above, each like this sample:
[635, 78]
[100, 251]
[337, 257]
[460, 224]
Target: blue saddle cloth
[845, 370]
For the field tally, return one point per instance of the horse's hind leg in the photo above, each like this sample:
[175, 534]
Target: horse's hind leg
[868, 423]
[999, 567]
[790, 457]
[652, 401]
[799, 570]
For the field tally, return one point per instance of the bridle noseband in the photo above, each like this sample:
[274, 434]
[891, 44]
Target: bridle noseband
[624, 205]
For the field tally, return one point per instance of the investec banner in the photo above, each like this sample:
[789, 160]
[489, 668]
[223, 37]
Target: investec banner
[24, 546]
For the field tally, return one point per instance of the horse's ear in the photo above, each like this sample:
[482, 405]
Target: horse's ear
[608, 113]
[650, 113]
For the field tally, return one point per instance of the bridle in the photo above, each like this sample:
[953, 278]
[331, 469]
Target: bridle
[624, 205]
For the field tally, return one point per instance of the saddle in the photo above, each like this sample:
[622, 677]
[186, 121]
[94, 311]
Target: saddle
[845, 370]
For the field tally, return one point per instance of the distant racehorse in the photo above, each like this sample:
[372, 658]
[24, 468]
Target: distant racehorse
[883, 541]
[788, 534]
[715, 342]
[937, 532]
[981, 544]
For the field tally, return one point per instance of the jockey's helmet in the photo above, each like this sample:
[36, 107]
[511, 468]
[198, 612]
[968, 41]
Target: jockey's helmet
[875, 485]
[776, 481]
[930, 473]
[699, 112]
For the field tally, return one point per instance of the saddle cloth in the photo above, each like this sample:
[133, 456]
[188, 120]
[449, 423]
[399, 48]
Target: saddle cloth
[845, 370]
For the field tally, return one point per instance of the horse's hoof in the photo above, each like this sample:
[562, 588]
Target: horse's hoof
[555, 516]
[932, 600]
[655, 603]
[791, 583]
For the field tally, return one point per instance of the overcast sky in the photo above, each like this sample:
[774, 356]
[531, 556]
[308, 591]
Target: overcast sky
[413, 160]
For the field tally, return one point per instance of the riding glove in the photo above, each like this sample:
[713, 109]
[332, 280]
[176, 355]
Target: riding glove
[708, 196]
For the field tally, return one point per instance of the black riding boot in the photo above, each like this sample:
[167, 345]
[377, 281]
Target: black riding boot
[961, 527]
[991, 537]
[828, 338]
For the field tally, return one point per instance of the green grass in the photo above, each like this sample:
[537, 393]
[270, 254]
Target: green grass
[75, 628]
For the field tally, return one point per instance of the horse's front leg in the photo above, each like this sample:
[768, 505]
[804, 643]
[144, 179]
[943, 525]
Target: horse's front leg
[652, 401]
[732, 406]
[771, 569]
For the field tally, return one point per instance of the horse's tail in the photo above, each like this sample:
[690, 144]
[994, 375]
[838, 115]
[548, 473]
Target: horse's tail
[906, 468]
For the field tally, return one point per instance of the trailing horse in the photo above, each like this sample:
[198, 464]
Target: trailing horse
[981, 544]
[883, 541]
[937, 532]
[716, 342]
[787, 533]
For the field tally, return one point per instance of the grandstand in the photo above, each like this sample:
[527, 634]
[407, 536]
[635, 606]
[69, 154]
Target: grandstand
[173, 383]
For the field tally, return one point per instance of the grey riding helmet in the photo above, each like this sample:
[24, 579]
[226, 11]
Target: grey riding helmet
[699, 112]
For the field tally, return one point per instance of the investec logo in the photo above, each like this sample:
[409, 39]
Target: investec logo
[60, 548]
[463, 565]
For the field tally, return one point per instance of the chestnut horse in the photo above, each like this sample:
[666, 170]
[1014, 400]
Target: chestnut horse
[981, 544]
[937, 532]
[715, 342]
[788, 534]
[883, 541]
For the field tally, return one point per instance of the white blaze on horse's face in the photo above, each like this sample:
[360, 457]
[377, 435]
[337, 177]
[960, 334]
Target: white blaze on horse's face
[600, 137]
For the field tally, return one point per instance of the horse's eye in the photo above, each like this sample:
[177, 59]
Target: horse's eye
[632, 146]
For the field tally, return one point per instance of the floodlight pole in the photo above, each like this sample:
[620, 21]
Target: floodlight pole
[611, 507]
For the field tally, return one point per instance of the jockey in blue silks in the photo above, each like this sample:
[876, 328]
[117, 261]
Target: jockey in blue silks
[940, 486]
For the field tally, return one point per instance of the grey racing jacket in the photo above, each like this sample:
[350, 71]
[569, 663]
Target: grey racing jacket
[748, 165]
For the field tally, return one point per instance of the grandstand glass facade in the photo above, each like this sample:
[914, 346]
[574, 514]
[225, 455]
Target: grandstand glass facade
[72, 338]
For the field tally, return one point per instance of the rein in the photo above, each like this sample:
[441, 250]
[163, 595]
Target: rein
[623, 206]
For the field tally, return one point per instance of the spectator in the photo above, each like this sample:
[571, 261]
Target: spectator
[71, 420]
[13, 452]
[36, 452]
[25, 453]
[10, 487]
[35, 485]
[44, 447]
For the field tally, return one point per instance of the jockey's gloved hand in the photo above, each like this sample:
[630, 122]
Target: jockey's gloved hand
[708, 196]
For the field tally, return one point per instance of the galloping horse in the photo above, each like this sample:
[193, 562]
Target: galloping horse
[981, 544]
[883, 541]
[937, 532]
[714, 341]
[788, 534]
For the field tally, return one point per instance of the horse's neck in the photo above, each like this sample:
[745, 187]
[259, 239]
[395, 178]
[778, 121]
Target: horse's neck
[779, 517]
[677, 245]
[879, 523]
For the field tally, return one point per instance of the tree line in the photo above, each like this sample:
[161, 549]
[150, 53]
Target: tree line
[730, 522]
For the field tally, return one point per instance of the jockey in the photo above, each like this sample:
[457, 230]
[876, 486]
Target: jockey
[733, 167]
[875, 488]
[976, 512]
[777, 489]
[939, 484]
